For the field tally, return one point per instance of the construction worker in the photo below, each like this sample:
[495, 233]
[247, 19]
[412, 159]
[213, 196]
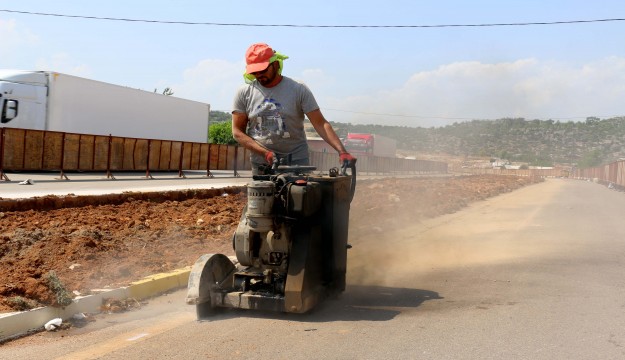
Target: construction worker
[268, 113]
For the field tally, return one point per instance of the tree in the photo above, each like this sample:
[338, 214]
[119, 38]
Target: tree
[590, 159]
[221, 133]
[219, 116]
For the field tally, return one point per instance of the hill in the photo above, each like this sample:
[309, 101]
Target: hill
[536, 142]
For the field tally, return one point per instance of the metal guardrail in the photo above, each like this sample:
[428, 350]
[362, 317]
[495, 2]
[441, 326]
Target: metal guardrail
[38, 150]
[513, 172]
[380, 165]
[612, 173]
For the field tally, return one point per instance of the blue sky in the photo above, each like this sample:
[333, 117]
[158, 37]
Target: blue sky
[390, 76]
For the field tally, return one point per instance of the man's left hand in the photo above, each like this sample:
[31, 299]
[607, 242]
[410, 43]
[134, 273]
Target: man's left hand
[346, 157]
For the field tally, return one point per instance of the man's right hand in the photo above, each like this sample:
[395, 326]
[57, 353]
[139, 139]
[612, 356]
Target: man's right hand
[269, 156]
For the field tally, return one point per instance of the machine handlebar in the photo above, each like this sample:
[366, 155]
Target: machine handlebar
[351, 165]
[276, 167]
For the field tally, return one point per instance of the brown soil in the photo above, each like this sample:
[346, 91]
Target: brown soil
[108, 241]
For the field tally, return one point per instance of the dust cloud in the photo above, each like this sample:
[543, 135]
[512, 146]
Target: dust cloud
[408, 246]
[394, 258]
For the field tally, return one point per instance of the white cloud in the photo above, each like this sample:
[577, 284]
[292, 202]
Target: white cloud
[215, 82]
[459, 91]
[525, 88]
[13, 38]
[19, 44]
[211, 81]
[316, 78]
[63, 63]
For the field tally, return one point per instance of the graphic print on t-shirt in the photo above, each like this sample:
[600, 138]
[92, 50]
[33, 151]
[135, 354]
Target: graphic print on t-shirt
[266, 122]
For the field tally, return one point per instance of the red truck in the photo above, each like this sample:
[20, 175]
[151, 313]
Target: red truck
[370, 144]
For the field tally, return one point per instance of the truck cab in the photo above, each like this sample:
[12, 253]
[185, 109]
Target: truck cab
[359, 144]
[23, 97]
[370, 145]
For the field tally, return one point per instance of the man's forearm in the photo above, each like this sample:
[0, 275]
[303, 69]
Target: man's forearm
[325, 130]
[247, 142]
[331, 138]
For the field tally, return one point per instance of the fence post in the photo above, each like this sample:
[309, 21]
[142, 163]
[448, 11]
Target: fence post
[147, 162]
[208, 162]
[109, 174]
[62, 175]
[2, 173]
[43, 150]
[180, 172]
[236, 157]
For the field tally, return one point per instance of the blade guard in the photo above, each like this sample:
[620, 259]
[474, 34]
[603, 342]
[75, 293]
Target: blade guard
[208, 274]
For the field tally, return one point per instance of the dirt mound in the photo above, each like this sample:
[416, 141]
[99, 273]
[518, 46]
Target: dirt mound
[94, 242]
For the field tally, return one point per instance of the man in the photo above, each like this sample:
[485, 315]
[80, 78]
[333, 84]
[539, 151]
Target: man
[268, 113]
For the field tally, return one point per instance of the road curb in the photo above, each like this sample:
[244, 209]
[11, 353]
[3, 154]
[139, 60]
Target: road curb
[19, 323]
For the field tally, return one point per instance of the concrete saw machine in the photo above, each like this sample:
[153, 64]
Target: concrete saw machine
[290, 245]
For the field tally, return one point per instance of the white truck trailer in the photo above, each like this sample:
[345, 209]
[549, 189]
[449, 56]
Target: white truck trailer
[47, 100]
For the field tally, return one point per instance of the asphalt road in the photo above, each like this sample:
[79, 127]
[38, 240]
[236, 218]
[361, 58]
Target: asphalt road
[532, 274]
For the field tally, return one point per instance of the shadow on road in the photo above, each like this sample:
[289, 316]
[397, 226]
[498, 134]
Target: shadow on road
[370, 303]
[357, 303]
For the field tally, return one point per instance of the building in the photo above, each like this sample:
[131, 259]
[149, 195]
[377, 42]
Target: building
[317, 144]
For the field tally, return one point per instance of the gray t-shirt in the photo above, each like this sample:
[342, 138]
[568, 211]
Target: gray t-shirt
[276, 116]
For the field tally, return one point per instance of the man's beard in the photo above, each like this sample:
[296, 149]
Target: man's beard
[264, 80]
